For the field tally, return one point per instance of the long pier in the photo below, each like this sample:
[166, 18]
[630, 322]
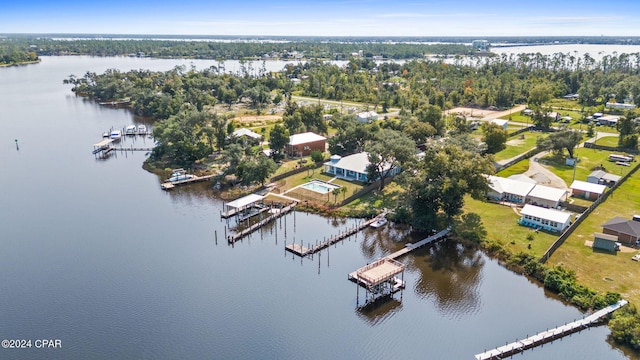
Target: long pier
[303, 251]
[549, 335]
[233, 238]
[170, 185]
[410, 247]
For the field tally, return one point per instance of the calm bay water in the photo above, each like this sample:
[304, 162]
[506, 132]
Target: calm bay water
[96, 255]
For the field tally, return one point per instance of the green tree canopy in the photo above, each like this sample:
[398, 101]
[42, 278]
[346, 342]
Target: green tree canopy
[389, 150]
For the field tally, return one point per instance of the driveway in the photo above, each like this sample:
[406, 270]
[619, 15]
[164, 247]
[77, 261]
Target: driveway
[542, 175]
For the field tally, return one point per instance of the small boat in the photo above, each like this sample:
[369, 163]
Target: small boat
[179, 175]
[142, 130]
[105, 134]
[380, 222]
[130, 130]
[116, 135]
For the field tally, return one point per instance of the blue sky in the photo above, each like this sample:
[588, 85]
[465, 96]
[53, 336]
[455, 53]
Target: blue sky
[325, 17]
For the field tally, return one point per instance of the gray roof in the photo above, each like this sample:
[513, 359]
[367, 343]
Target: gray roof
[623, 226]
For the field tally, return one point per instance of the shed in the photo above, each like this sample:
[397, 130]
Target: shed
[500, 122]
[587, 190]
[605, 242]
[602, 177]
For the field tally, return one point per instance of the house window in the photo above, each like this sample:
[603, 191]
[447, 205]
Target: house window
[307, 148]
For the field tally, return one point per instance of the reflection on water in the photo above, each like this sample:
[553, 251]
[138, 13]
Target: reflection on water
[380, 310]
[451, 275]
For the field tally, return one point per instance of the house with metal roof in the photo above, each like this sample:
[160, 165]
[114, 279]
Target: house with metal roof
[544, 219]
[586, 190]
[546, 196]
[304, 143]
[627, 231]
[504, 189]
[353, 167]
[603, 178]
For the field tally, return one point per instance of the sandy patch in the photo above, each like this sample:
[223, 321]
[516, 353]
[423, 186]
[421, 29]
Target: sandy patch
[515, 142]
[253, 118]
[470, 112]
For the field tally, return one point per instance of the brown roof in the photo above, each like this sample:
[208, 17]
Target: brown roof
[623, 226]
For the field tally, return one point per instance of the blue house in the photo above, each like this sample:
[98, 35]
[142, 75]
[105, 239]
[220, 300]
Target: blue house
[352, 167]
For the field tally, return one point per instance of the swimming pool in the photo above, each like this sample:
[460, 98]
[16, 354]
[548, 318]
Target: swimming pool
[319, 186]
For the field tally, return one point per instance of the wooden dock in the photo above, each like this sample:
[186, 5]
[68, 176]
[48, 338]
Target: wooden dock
[303, 251]
[410, 247]
[549, 335]
[279, 212]
[170, 185]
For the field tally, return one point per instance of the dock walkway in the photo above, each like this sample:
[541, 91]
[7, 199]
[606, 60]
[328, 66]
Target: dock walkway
[170, 185]
[549, 335]
[303, 251]
[280, 212]
[410, 247]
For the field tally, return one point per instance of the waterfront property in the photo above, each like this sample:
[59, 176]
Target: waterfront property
[237, 206]
[504, 189]
[353, 167]
[587, 190]
[544, 219]
[303, 144]
[627, 231]
[319, 186]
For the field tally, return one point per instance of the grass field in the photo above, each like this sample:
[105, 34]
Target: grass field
[519, 144]
[588, 159]
[501, 224]
[387, 198]
[517, 168]
[600, 270]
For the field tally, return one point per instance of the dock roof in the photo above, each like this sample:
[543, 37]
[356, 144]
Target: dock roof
[244, 201]
[104, 142]
[378, 271]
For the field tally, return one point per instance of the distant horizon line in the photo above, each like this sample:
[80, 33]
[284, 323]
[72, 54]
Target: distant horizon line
[64, 34]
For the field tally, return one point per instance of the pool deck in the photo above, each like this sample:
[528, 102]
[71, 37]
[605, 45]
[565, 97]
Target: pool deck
[333, 186]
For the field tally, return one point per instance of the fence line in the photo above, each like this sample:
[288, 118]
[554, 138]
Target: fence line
[560, 240]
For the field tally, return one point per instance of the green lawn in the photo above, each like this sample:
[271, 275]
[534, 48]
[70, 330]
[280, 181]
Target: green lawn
[501, 224]
[588, 159]
[600, 270]
[517, 168]
[303, 177]
[607, 141]
[519, 144]
[387, 198]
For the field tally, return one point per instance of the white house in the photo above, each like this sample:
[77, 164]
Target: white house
[544, 219]
[500, 122]
[246, 132]
[546, 196]
[367, 116]
[503, 189]
[352, 167]
[608, 120]
[619, 106]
